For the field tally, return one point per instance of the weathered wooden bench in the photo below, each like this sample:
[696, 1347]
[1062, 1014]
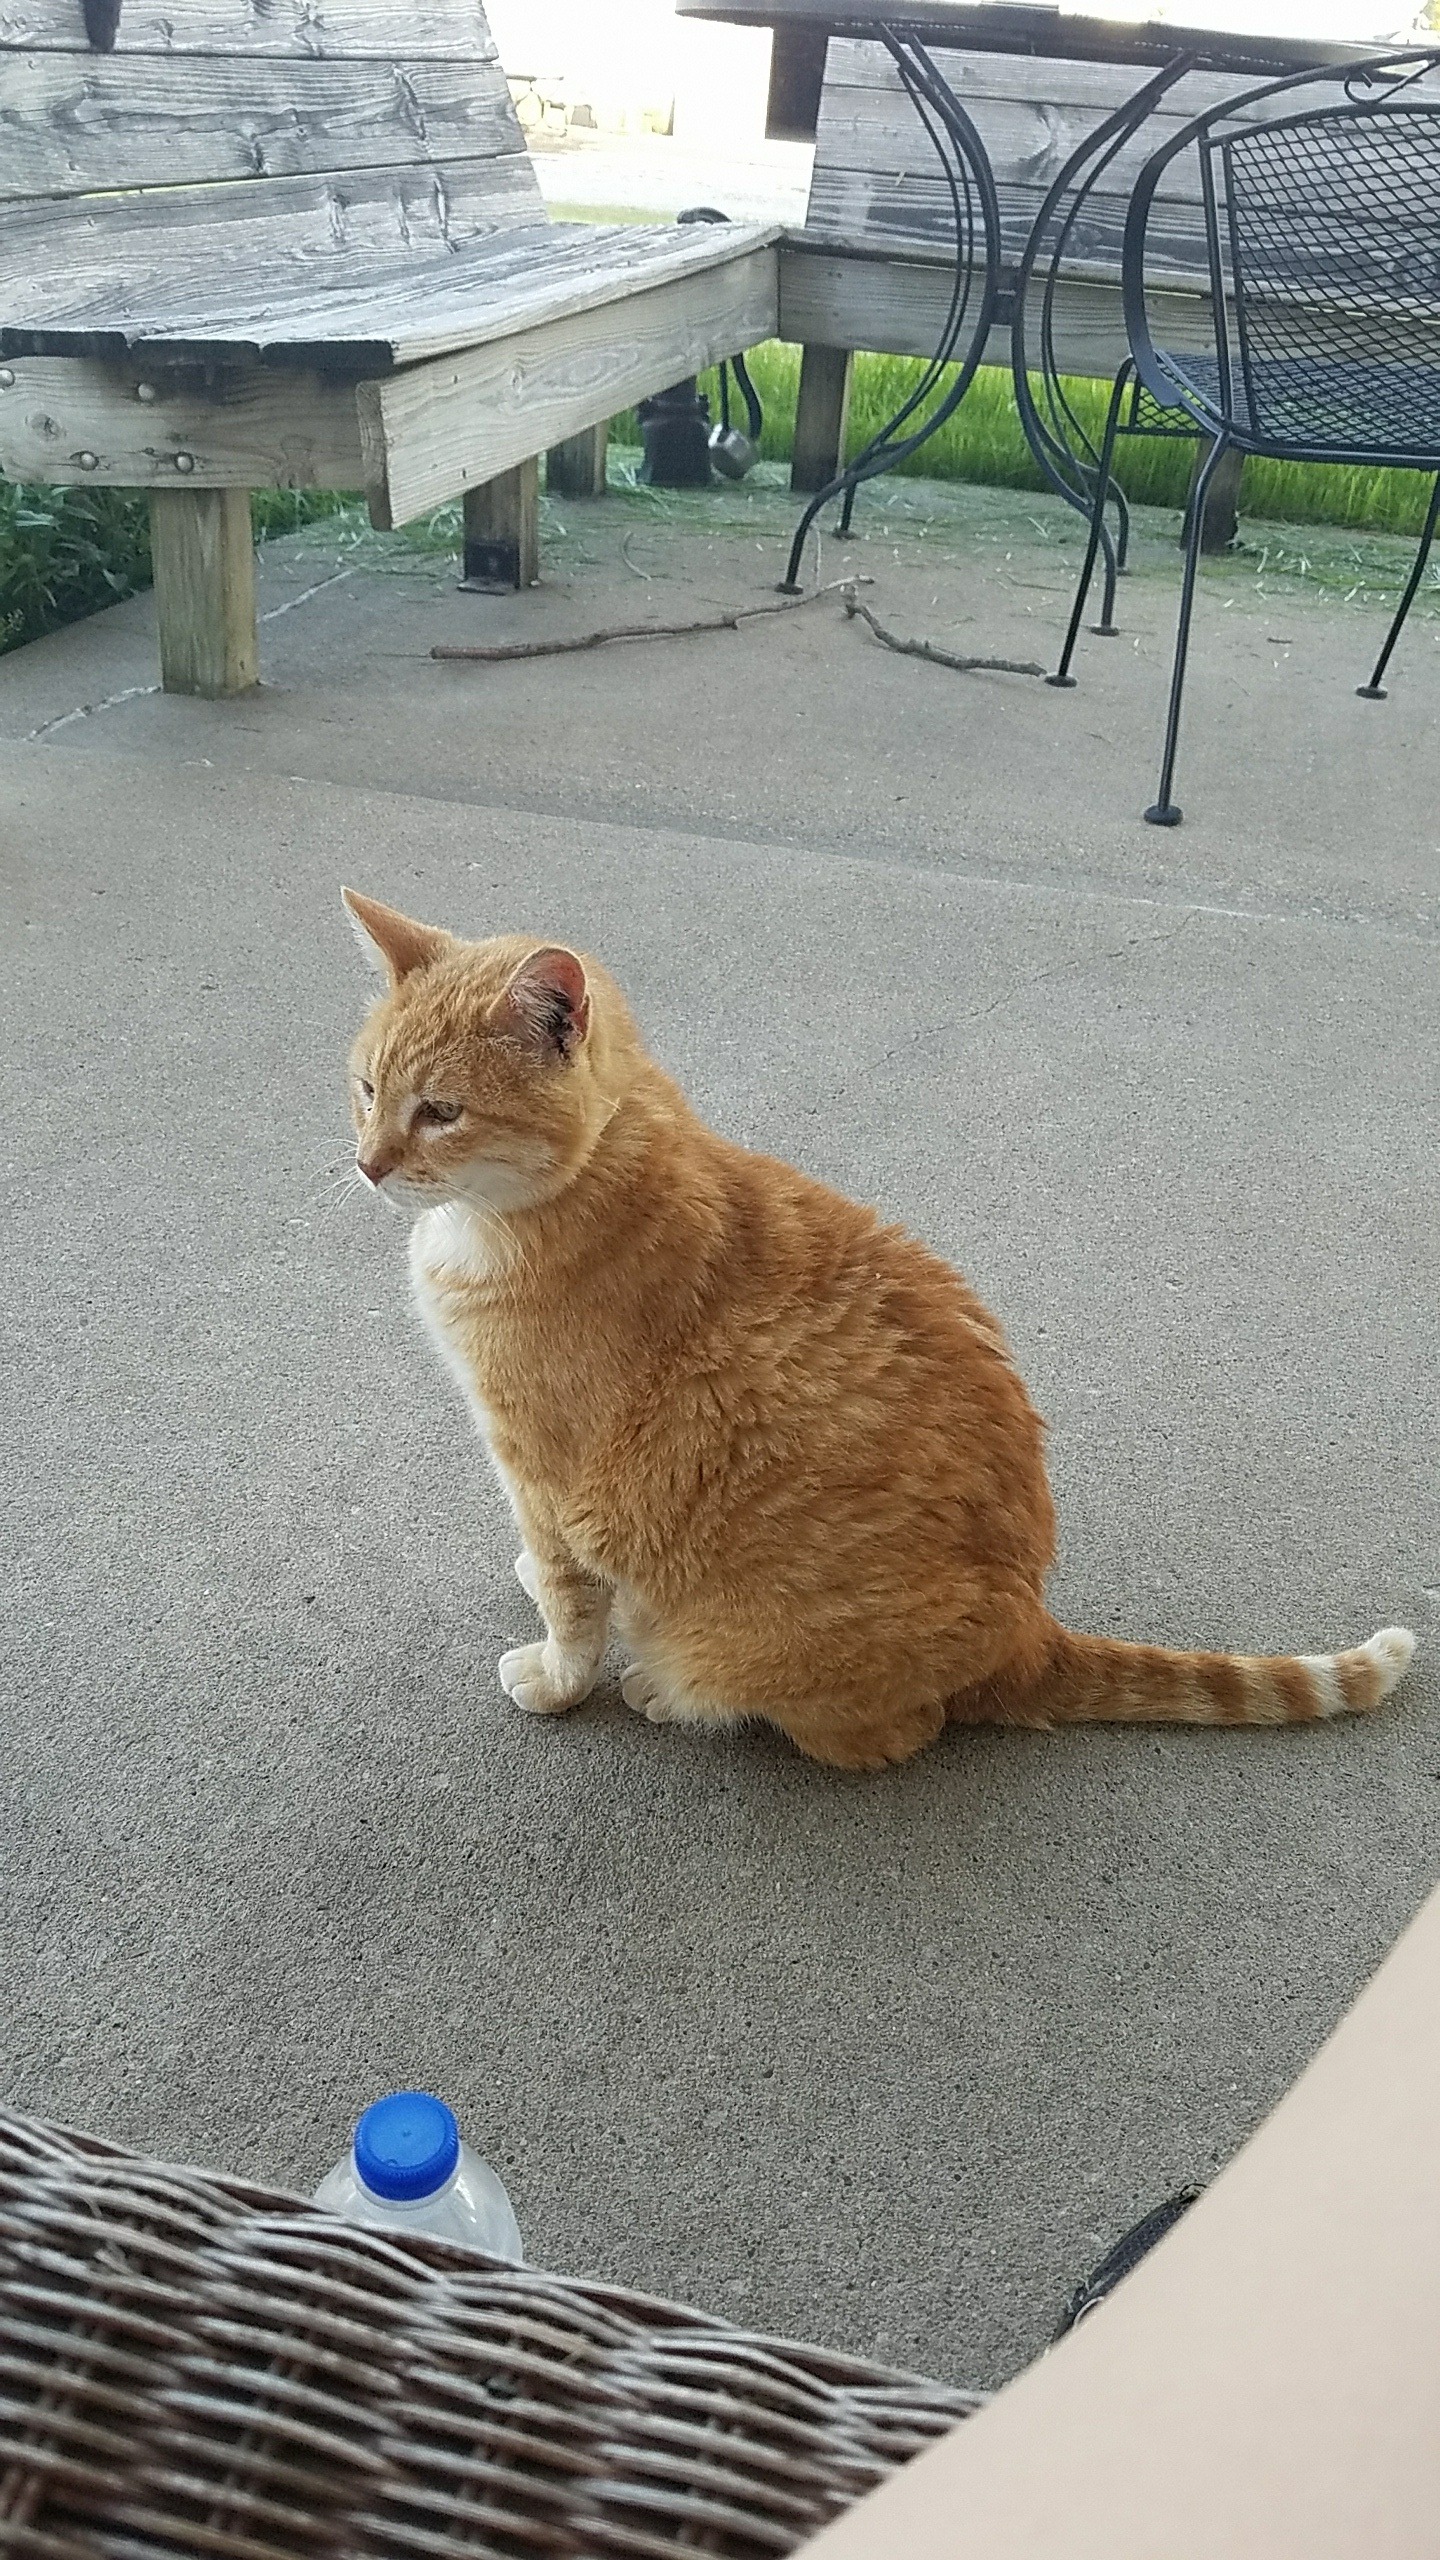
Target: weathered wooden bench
[269, 244]
[872, 268]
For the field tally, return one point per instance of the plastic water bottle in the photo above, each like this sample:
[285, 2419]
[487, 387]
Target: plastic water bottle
[408, 2170]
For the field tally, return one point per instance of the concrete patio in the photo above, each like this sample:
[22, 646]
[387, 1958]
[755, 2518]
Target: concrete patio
[882, 2062]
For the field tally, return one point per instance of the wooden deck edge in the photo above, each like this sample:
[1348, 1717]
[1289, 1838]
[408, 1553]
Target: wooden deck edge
[433, 430]
[73, 422]
[897, 306]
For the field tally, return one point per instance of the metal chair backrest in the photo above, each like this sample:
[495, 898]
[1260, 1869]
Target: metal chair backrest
[1323, 232]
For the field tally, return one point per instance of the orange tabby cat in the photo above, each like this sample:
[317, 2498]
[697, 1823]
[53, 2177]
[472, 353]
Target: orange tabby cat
[779, 1445]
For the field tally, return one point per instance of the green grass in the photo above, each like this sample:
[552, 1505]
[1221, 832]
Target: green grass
[63, 552]
[982, 442]
[66, 552]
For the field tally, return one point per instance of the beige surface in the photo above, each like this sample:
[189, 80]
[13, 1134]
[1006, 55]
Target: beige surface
[1268, 2382]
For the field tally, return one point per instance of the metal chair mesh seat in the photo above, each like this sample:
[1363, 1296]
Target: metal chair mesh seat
[192, 2366]
[1328, 400]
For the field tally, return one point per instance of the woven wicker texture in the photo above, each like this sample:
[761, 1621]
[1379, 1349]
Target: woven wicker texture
[189, 2365]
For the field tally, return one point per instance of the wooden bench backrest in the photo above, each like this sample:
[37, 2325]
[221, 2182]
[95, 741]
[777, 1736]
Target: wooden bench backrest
[877, 188]
[877, 181]
[262, 135]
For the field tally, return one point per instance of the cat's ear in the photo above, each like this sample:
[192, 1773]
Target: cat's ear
[547, 1003]
[393, 942]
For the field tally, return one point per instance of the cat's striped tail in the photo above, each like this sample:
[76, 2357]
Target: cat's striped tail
[1092, 1680]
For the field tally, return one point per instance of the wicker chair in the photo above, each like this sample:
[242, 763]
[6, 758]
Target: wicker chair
[193, 2366]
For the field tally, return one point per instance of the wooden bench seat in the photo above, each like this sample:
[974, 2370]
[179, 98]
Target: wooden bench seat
[304, 380]
[305, 249]
[373, 309]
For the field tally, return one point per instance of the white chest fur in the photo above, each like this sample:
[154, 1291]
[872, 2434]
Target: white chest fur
[448, 1245]
[449, 1242]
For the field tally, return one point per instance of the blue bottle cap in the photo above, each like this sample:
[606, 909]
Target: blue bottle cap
[406, 2146]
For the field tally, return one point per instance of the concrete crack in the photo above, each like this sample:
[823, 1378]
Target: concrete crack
[1083, 960]
[89, 710]
[275, 610]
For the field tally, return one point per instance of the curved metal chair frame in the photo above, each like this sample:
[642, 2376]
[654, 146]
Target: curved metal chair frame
[970, 182]
[1311, 330]
[1058, 438]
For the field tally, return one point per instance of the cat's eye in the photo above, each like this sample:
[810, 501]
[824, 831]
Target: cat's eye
[367, 1091]
[439, 1115]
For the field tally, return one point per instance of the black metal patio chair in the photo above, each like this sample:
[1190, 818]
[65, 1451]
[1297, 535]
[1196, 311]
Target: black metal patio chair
[1323, 234]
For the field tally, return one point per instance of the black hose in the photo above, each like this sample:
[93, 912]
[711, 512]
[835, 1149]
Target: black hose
[756, 415]
[751, 397]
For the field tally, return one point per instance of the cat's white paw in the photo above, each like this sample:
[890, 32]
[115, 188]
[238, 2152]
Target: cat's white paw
[543, 1680]
[641, 1690]
[527, 1576]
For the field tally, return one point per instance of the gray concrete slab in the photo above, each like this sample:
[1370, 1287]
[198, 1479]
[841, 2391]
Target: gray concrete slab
[883, 2062]
[804, 731]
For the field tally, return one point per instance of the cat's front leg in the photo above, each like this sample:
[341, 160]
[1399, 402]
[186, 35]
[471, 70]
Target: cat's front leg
[547, 1679]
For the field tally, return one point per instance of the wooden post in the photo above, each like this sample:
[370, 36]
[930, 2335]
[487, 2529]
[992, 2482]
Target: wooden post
[502, 532]
[797, 77]
[1222, 499]
[576, 468]
[204, 560]
[820, 414]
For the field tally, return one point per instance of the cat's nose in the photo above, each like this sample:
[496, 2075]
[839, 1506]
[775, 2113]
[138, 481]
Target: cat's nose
[374, 1168]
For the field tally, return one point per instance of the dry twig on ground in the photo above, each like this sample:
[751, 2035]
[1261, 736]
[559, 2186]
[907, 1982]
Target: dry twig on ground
[489, 652]
[927, 648]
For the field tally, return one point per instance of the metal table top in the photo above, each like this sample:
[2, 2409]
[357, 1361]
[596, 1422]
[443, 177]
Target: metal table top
[1031, 26]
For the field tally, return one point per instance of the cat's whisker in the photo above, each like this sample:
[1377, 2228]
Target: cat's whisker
[324, 1204]
[503, 1240]
[332, 1190]
[338, 1169]
[330, 1196]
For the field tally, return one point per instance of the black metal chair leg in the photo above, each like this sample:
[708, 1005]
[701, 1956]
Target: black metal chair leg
[1062, 675]
[1107, 628]
[1122, 532]
[1374, 691]
[1163, 812]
